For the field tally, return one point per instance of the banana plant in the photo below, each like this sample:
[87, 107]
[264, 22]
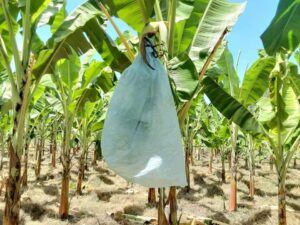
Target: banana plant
[40, 117]
[282, 124]
[65, 79]
[98, 78]
[88, 123]
[215, 134]
[199, 26]
[80, 31]
[234, 100]
[72, 88]
[279, 114]
[271, 83]
[189, 134]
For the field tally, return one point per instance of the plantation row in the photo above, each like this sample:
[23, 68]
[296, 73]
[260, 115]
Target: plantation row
[58, 90]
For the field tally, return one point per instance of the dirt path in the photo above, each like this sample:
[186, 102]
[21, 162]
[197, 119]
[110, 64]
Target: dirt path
[104, 192]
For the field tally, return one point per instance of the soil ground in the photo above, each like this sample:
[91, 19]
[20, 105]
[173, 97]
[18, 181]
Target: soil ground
[104, 192]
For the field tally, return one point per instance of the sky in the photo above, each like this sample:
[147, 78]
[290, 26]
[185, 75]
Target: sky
[244, 37]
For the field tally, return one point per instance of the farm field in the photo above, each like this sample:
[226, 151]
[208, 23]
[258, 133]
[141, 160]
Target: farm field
[160, 112]
[104, 193]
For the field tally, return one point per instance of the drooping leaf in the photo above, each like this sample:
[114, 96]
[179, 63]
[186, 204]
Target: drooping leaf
[232, 82]
[97, 126]
[68, 71]
[294, 79]
[130, 11]
[284, 31]
[68, 36]
[256, 80]
[185, 76]
[58, 19]
[292, 108]
[187, 22]
[88, 109]
[38, 93]
[106, 80]
[91, 72]
[88, 95]
[218, 16]
[229, 106]
[110, 53]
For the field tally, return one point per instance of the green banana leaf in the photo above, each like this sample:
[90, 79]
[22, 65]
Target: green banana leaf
[91, 72]
[110, 53]
[256, 80]
[188, 15]
[280, 112]
[229, 106]
[78, 31]
[294, 79]
[68, 71]
[284, 30]
[130, 11]
[184, 74]
[218, 16]
[231, 81]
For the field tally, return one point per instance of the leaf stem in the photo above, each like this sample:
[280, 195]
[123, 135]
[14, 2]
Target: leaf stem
[3, 54]
[19, 68]
[26, 36]
[172, 26]
[157, 10]
[212, 54]
[144, 11]
[130, 53]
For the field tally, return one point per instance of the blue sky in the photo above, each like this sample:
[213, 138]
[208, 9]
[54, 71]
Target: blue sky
[245, 36]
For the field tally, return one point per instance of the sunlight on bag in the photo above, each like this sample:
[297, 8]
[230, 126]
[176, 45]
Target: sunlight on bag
[141, 140]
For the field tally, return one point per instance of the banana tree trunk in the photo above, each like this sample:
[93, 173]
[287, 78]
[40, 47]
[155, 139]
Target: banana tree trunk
[80, 175]
[251, 185]
[151, 196]
[25, 173]
[198, 154]
[246, 163]
[192, 155]
[233, 184]
[13, 195]
[251, 166]
[95, 157]
[281, 203]
[173, 206]
[223, 172]
[187, 169]
[86, 161]
[233, 179]
[43, 147]
[210, 161]
[36, 143]
[2, 144]
[51, 139]
[65, 159]
[53, 158]
[39, 159]
[271, 162]
[162, 219]
[229, 161]
[64, 197]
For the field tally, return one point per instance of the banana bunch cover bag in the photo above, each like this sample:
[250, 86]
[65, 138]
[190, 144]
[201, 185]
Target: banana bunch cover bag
[141, 140]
